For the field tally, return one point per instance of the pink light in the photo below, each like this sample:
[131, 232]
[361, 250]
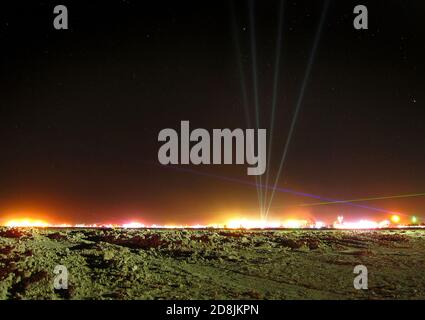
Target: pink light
[362, 224]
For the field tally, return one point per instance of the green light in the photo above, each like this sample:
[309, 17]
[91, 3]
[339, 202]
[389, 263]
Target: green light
[414, 219]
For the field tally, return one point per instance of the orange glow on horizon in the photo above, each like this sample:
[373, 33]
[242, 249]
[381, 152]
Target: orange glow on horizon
[26, 222]
[263, 224]
[236, 221]
[133, 225]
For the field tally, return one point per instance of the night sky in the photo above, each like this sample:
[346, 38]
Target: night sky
[81, 109]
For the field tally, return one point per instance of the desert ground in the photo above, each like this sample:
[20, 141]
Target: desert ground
[211, 264]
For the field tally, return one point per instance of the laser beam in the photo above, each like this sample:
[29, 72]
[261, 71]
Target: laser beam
[243, 86]
[362, 199]
[255, 85]
[274, 94]
[284, 190]
[299, 102]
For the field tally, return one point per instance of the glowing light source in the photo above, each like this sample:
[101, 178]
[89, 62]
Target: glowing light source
[263, 224]
[362, 224]
[295, 224]
[245, 224]
[395, 218]
[133, 225]
[26, 223]
[252, 224]
[238, 223]
[319, 225]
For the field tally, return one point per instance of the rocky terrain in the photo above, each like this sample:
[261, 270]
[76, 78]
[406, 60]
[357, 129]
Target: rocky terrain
[211, 264]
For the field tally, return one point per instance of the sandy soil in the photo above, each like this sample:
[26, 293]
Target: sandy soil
[211, 264]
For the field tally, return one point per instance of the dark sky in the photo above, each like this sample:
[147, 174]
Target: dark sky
[80, 109]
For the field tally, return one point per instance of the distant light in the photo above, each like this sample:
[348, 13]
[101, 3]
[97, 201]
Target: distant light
[295, 224]
[133, 225]
[245, 224]
[26, 223]
[254, 224]
[362, 224]
[319, 225]
[414, 219]
[395, 218]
